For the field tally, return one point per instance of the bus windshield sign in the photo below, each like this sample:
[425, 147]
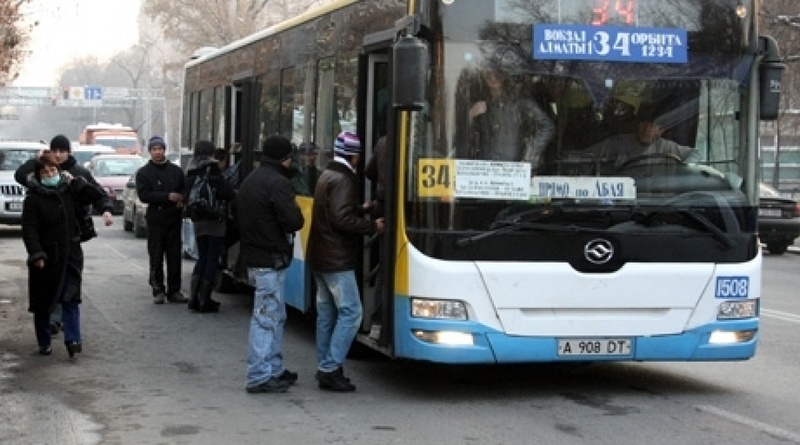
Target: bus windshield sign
[609, 43]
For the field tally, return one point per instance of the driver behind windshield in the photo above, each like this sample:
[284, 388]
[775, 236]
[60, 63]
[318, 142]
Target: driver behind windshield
[646, 142]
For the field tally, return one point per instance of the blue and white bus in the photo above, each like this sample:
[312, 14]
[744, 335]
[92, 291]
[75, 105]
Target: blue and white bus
[523, 225]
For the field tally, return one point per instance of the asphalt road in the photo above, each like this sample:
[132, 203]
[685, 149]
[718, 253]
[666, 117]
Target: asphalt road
[158, 374]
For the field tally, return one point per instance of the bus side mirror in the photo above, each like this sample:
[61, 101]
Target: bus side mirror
[410, 70]
[770, 74]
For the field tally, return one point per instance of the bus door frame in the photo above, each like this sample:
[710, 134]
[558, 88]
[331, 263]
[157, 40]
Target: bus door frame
[377, 51]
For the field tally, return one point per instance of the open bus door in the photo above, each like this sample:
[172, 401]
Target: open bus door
[377, 273]
[241, 135]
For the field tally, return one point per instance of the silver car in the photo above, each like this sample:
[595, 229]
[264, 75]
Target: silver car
[12, 156]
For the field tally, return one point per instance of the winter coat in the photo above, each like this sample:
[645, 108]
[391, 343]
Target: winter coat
[50, 232]
[268, 216]
[338, 222]
[102, 204]
[222, 190]
[154, 183]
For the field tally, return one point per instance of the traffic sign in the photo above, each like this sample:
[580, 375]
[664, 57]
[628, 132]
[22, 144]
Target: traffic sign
[92, 93]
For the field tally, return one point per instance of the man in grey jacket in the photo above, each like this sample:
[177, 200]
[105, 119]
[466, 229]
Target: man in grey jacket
[268, 217]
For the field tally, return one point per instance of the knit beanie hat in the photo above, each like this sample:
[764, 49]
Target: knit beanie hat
[346, 144]
[276, 147]
[154, 141]
[60, 142]
[204, 148]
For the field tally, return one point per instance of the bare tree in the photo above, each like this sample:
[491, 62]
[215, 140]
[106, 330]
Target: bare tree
[14, 35]
[193, 24]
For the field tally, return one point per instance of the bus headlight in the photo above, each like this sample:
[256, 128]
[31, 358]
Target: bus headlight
[729, 310]
[451, 338]
[439, 309]
[731, 337]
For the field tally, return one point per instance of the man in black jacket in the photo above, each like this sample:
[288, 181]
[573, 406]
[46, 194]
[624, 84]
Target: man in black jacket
[268, 217]
[159, 183]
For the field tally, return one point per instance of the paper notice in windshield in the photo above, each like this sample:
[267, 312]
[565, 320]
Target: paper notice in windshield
[576, 187]
[465, 178]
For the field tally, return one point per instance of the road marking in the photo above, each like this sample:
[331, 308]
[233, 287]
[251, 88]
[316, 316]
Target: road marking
[785, 316]
[773, 431]
[129, 259]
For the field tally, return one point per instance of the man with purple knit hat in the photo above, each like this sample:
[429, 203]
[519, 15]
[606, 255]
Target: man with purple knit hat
[338, 225]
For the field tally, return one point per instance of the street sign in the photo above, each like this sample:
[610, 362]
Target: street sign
[92, 93]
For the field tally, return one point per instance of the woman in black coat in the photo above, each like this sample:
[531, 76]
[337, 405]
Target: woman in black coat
[55, 258]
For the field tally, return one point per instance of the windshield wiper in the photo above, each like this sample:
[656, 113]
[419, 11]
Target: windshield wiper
[719, 235]
[513, 226]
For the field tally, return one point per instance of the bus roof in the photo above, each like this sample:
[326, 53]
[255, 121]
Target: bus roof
[274, 29]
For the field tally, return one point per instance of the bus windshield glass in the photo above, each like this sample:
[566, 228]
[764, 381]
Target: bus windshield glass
[585, 104]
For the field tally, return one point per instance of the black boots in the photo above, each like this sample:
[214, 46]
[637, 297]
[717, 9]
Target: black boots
[207, 304]
[200, 298]
[194, 299]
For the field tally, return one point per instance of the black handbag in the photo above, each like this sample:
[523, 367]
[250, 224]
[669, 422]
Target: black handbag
[86, 227]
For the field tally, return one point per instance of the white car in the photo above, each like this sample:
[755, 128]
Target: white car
[12, 194]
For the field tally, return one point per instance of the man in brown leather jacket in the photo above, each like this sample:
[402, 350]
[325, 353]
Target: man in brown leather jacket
[338, 225]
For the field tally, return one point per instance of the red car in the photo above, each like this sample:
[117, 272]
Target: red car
[778, 220]
[112, 173]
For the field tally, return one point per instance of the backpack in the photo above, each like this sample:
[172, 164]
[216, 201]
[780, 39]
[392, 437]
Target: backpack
[203, 203]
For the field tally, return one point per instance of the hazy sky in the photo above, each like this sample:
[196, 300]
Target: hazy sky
[76, 28]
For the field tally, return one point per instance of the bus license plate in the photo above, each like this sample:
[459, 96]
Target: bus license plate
[595, 347]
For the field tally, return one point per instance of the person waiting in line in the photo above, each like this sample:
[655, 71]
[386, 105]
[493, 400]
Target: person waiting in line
[159, 184]
[338, 224]
[61, 151]
[268, 217]
[52, 240]
[209, 230]
[645, 141]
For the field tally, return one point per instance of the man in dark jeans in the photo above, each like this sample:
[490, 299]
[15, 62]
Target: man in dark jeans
[159, 183]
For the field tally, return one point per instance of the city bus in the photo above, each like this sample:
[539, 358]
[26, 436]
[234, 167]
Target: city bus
[522, 225]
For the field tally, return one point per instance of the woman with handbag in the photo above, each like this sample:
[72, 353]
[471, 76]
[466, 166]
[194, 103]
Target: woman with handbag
[51, 233]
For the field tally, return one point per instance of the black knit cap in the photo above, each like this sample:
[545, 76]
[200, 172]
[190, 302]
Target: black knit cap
[204, 148]
[276, 147]
[60, 142]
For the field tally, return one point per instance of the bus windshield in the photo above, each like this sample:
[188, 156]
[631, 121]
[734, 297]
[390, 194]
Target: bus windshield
[584, 105]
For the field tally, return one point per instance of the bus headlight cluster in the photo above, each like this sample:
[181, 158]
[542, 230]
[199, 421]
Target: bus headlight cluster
[439, 309]
[730, 310]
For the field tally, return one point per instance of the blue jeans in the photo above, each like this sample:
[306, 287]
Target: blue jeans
[265, 354]
[339, 314]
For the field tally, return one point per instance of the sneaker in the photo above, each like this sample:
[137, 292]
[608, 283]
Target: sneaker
[288, 376]
[45, 350]
[177, 297]
[159, 298]
[335, 381]
[271, 385]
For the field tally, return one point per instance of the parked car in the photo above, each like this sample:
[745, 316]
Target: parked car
[12, 155]
[133, 210]
[112, 173]
[84, 153]
[778, 220]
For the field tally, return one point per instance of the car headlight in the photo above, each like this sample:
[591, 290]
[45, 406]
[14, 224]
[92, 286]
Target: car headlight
[731, 310]
[438, 309]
